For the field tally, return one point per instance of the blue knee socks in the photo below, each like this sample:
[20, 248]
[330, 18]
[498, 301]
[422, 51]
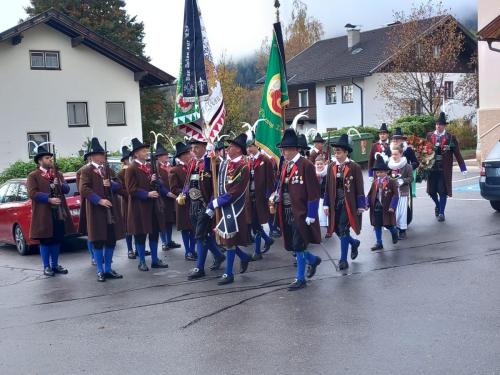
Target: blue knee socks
[153, 245]
[192, 243]
[310, 258]
[108, 258]
[141, 250]
[214, 248]
[344, 247]
[242, 255]
[163, 237]
[99, 259]
[434, 197]
[301, 266]
[185, 240]
[378, 235]
[45, 255]
[168, 233]
[257, 243]
[201, 249]
[230, 255]
[90, 247]
[128, 239]
[54, 255]
[442, 203]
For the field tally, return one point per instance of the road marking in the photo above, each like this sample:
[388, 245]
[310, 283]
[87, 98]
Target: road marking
[463, 179]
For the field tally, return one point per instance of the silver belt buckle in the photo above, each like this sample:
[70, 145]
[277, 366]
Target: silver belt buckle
[195, 177]
[287, 201]
[194, 194]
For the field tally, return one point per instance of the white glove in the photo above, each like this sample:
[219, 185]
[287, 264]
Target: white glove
[210, 212]
[326, 210]
[310, 220]
[464, 173]
[370, 179]
[400, 181]
[210, 147]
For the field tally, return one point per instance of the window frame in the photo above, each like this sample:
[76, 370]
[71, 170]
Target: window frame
[299, 96]
[327, 96]
[352, 94]
[436, 51]
[124, 114]
[44, 67]
[446, 88]
[31, 155]
[86, 115]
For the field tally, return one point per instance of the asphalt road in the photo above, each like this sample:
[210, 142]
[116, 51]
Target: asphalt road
[428, 305]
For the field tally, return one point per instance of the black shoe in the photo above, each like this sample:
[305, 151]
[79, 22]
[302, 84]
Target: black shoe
[297, 284]
[100, 277]
[143, 267]
[164, 247]
[132, 255]
[328, 235]
[147, 253]
[377, 246]
[196, 273]
[217, 263]
[226, 279]
[244, 265]
[402, 234]
[354, 249]
[343, 265]
[441, 218]
[267, 246]
[159, 264]
[60, 269]
[47, 271]
[256, 257]
[275, 234]
[436, 211]
[311, 270]
[190, 257]
[395, 236]
[113, 275]
[173, 245]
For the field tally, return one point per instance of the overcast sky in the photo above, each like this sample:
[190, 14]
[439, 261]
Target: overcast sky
[237, 27]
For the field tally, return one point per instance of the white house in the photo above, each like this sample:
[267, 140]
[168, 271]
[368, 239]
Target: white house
[489, 76]
[337, 79]
[61, 82]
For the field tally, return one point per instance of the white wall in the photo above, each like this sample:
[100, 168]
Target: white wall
[35, 100]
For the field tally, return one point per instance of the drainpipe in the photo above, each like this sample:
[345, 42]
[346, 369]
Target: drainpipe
[361, 91]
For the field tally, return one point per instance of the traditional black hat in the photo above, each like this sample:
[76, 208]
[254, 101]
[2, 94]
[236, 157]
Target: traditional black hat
[318, 139]
[137, 145]
[95, 148]
[251, 141]
[383, 128]
[160, 150]
[303, 142]
[240, 141]
[398, 133]
[125, 153]
[343, 142]
[380, 163]
[40, 153]
[194, 141]
[441, 119]
[290, 139]
[181, 148]
[220, 146]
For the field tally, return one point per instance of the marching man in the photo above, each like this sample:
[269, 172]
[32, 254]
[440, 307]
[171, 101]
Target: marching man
[318, 148]
[142, 219]
[104, 219]
[50, 218]
[298, 201]
[439, 184]
[344, 201]
[125, 160]
[382, 146]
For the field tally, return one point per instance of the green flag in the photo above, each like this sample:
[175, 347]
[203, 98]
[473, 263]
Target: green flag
[274, 99]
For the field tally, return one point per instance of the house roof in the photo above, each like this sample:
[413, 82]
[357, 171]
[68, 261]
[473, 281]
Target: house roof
[144, 72]
[491, 31]
[331, 59]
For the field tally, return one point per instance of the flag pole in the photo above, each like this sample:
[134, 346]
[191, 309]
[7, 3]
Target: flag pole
[277, 7]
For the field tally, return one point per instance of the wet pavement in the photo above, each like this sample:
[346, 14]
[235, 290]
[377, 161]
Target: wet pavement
[428, 305]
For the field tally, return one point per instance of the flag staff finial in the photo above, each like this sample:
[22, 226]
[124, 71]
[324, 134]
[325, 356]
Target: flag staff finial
[277, 6]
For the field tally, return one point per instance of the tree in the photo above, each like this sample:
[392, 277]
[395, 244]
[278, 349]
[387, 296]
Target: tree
[467, 90]
[418, 66]
[110, 19]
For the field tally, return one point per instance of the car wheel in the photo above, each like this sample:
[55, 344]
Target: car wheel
[22, 247]
[495, 205]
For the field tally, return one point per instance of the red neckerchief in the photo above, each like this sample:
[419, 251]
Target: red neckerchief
[165, 167]
[382, 146]
[99, 171]
[146, 168]
[232, 166]
[442, 140]
[385, 181]
[292, 172]
[49, 175]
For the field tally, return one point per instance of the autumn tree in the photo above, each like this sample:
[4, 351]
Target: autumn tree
[418, 65]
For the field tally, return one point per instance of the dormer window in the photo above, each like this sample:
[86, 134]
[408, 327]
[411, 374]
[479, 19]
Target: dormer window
[44, 60]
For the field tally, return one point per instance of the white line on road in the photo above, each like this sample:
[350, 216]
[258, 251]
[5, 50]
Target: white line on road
[463, 179]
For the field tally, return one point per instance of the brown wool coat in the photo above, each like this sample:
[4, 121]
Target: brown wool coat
[377, 147]
[91, 183]
[82, 224]
[41, 213]
[123, 195]
[447, 162]
[176, 179]
[353, 190]
[140, 212]
[313, 155]
[390, 191]
[300, 195]
[168, 203]
[264, 186]
[235, 189]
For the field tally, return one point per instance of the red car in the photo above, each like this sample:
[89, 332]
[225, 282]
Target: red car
[15, 212]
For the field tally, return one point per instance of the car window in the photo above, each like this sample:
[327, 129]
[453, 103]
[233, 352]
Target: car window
[72, 189]
[22, 194]
[11, 193]
[3, 190]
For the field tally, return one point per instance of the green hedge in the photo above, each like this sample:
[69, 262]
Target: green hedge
[21, 169]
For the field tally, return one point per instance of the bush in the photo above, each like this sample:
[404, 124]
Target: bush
[21, 169]
[465, 132]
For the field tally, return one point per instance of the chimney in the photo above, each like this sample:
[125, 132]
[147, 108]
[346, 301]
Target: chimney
[353, 35]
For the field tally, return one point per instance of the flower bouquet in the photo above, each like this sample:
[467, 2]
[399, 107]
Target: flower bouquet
[424, 151]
